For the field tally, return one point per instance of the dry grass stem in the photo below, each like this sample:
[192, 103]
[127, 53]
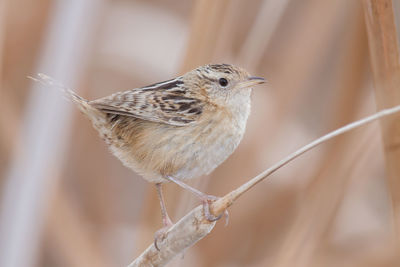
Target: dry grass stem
[186, 232]
[194, 226]
[384, 55]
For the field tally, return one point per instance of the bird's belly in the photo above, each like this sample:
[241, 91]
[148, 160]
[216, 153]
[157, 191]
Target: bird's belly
[206, 152]
[180, 152]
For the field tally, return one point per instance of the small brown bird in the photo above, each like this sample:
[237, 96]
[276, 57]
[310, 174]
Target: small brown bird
[175, 130]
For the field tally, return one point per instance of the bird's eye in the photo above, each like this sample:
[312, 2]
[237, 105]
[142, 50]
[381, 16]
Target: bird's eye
[223, 82]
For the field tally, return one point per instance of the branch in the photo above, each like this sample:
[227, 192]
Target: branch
[194, 226]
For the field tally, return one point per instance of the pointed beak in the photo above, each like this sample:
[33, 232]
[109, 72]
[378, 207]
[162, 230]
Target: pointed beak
[251, 81]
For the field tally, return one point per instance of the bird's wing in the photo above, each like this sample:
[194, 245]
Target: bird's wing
[165, 102]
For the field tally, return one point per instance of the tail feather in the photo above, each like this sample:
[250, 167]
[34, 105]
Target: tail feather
[82, 103]
[98, 118]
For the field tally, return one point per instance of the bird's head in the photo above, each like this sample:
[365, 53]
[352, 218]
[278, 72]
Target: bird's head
[222, 82]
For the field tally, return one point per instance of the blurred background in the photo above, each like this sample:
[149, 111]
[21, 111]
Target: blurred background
[66, 201]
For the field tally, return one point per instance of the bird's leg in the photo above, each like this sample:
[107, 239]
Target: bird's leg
[164, 214]
[205, 200]
[167, 223]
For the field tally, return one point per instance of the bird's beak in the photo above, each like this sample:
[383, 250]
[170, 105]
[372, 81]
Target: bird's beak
[251, 81]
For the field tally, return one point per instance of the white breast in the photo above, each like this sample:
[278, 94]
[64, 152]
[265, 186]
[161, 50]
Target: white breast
[218, 140]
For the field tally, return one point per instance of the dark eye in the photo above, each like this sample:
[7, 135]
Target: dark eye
[223, 82]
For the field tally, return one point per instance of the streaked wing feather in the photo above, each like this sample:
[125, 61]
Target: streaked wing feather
[164, 102]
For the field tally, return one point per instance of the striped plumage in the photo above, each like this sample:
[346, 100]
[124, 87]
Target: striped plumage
[177, 129]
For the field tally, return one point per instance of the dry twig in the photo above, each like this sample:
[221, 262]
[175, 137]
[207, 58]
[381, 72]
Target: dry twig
[194, 226]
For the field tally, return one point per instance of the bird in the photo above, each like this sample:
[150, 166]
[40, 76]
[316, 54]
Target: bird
[174, 130]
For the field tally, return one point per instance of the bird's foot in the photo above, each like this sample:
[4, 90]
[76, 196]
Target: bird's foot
[160, 235]
[206, 200]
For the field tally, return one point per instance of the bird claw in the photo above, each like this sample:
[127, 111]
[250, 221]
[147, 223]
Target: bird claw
[161, 234]
[206, 201]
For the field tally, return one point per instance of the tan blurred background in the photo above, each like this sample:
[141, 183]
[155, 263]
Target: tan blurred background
[66, 201]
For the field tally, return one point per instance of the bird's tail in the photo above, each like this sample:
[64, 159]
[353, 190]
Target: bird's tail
[82, 103]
